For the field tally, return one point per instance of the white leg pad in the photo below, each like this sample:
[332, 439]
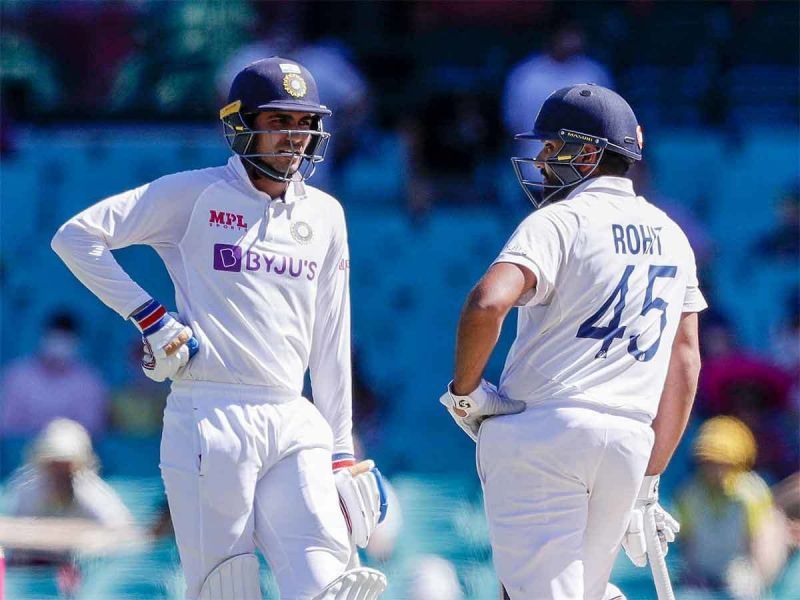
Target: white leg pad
[233, 579]
[355, 584]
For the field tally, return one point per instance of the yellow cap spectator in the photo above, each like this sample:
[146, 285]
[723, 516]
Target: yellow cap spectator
[726, 440]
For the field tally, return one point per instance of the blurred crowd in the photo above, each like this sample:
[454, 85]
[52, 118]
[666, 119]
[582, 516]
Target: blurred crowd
[454, 100]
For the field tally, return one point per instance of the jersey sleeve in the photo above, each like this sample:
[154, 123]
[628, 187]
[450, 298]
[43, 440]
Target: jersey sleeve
[541, 243]
[155, 214]
[330, 360]
[693, 300]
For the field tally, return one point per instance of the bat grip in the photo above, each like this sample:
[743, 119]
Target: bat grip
[658, 566]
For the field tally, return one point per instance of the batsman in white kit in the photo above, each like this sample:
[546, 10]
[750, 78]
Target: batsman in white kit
[599, 383]
[259, 260]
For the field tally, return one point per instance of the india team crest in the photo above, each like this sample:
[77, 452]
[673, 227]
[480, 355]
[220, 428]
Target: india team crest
[295, 85]
[302, 232]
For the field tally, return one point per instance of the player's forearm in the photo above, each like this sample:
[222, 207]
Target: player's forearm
[478, 332]
[675, 407]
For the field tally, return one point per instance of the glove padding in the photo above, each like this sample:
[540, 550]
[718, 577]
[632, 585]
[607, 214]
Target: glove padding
[168, 344]
[362, 498]
[167, 367]
[478, 406]
[162, 330]
[634, 542]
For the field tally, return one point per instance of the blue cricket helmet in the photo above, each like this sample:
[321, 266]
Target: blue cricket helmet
[278, 84]
[578, 115]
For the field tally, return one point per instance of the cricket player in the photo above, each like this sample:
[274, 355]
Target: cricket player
[599, 382]
[260, 264]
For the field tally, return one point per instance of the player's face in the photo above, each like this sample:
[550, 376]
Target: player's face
[292, 141]
[551, 149]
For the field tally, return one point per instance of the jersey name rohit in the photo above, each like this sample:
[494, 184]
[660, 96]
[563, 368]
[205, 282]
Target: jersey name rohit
[636, 239]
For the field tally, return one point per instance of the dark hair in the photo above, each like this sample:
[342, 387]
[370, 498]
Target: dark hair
[615, 164]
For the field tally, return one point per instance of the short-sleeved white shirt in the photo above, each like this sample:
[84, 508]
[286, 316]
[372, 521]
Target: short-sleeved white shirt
[614, 273]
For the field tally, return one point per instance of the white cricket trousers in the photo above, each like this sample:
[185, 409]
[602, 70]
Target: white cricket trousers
[247, 466]
[559, 482]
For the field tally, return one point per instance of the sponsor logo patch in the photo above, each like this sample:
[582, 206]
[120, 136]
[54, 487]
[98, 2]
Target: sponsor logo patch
[227, 258]
[230, 258]
[226, 220]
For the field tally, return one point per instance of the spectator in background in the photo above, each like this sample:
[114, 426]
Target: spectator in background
[728, 520]
[60, 480]
[756, 391]
[562, 64]
[787, 499]
[52, 383]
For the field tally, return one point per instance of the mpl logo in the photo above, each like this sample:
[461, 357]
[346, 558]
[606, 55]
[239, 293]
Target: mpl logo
[226, 220]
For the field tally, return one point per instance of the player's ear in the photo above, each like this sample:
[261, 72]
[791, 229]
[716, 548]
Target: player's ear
[591, 154]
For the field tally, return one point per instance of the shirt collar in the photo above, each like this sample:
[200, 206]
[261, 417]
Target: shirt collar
[295, 191]
[620, 186]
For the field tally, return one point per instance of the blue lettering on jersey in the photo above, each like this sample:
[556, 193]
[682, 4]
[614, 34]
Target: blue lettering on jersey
[636, 239]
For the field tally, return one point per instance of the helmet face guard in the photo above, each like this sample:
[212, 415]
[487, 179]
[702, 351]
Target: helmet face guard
[563, 165]
[241, 138]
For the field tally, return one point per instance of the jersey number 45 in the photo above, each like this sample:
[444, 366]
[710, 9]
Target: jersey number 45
[613, 330]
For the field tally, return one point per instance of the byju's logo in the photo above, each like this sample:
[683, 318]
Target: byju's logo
[226, 220]
[227, 258]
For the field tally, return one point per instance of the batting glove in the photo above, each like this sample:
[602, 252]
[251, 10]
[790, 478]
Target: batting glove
[159, 369]
[634, 542]
[481, 404]
[362, 497]
[168, 343]
[163, 332]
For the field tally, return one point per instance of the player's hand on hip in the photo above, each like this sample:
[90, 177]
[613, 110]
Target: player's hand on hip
[471, 410]
[163, 332]
[634, 542]
[169, 345]
[167, 367]
[362, 498]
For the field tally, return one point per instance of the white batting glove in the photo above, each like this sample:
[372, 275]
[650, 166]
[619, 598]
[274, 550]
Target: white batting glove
[479, 405]
[168, 344]
[634, 542]
[167, 367]
[362, 498]
[163, 332]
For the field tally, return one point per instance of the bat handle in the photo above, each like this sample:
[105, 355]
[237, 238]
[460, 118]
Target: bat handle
[658, 566]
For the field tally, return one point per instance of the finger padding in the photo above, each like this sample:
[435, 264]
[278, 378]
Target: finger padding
[634, 542]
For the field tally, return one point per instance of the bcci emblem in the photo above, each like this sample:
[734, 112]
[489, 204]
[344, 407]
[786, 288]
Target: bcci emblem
[301, 232]
[294, 85]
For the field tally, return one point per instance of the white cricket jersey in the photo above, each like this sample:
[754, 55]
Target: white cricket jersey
[614, 273]
[262, 282]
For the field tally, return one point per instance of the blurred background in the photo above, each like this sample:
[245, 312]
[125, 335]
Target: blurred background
[99, 97]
